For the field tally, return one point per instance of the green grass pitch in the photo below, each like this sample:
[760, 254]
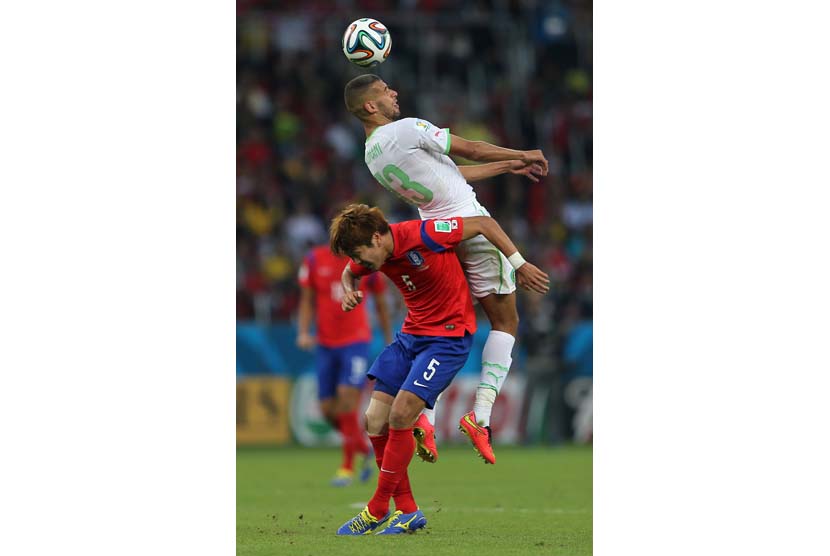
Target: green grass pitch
[533, 501]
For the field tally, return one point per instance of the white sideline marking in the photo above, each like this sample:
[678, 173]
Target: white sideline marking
[361, 505]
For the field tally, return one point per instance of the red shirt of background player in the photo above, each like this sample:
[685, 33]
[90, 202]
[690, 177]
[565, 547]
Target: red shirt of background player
[321, 271]
[426, 270]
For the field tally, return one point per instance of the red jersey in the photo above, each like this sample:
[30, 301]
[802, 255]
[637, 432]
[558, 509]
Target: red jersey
[425, 268]
[321, 271]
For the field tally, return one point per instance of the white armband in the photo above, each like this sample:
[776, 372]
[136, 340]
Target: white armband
[516, 260]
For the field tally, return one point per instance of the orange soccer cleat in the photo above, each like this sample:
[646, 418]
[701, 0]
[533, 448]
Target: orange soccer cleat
[424, 434]
[479, 436]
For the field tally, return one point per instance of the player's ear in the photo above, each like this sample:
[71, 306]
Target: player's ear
[370, 107]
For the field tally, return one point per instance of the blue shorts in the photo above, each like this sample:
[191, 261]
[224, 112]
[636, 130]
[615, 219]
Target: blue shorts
[343, 365]
[423, 365]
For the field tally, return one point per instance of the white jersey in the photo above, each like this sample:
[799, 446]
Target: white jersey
[409, 158]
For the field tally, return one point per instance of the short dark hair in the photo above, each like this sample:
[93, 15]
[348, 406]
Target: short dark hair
[354, 226]
[355, 93]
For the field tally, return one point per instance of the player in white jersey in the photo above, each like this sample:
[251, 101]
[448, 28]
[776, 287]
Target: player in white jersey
[409, 157]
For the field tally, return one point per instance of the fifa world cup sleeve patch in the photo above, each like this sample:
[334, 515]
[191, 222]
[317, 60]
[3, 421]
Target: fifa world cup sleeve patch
[445, 226]
[440, 235]
[422, 125]
[431, 138]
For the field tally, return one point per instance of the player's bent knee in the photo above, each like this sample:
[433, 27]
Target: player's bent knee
[346, 404]
[405, 410]
[328, 410]
[506, 323]
[377, 417]
[501, 312]
[402, 419]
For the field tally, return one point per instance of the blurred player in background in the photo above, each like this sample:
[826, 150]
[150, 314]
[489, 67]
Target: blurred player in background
[433, 345]
[409, 157]
[342, 352]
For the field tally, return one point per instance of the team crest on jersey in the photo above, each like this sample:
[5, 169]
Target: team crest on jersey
[415, 258]
[422, 124]
[446, 226]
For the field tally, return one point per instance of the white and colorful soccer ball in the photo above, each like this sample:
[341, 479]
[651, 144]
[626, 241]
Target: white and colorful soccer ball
[366, 42]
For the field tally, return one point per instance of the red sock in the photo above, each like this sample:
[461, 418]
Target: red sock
[404, 501]
[403, 494]
[360, 444]
[349, 429]
[396, 457]
[379, 444]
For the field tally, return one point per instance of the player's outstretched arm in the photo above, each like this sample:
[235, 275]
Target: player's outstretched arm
[351, 295]
[528, 276]
[477, 172]
[481, 151]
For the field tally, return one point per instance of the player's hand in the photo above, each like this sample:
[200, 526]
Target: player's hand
[530, 277]
[351, 300]
[529, 157]
[305, 341]
[531, 170]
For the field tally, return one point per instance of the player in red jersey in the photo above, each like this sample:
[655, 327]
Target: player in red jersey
[432, 346]
[342, 353]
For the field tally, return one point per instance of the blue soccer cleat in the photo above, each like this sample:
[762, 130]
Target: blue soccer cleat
[404, 523]
[342, 478]
[366, 467]
[362, 524]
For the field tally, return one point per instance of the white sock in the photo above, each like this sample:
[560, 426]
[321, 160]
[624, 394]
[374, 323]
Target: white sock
[495, 364]
[485, 398]
[430, 413]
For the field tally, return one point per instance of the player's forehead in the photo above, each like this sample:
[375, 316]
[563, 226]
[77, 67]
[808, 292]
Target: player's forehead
[380, 86]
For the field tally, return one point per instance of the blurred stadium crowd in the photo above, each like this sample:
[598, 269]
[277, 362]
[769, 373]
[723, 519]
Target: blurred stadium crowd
[513, 73]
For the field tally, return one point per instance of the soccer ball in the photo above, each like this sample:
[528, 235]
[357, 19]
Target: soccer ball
[366, 42]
